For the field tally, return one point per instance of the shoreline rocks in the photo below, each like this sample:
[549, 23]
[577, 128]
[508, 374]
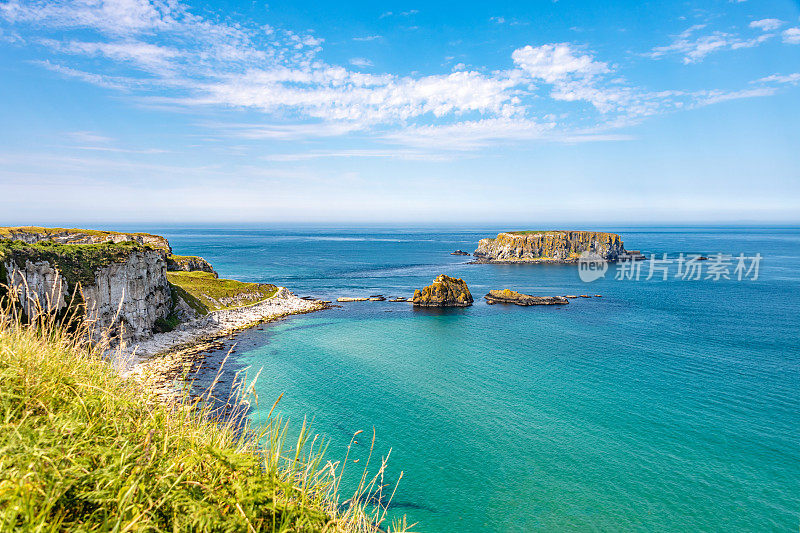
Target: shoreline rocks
[160, 359]
[507, 296]
[445, 291]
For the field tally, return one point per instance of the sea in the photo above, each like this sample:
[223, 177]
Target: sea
[670, 402]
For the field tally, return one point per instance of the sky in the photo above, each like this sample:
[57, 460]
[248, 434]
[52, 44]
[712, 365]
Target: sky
[383, 112]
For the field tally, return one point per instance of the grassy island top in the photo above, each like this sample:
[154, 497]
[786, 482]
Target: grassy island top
[540, 232]
[205, 293]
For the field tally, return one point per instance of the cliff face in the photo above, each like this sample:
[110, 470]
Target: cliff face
[33, 234]
[444, 292]
[189, 263]
[137, 287]
[549, 246]
[122, 287]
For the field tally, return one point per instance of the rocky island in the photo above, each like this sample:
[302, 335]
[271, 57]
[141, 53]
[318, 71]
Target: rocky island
[445, 291]
[507, 296]
[549, 247]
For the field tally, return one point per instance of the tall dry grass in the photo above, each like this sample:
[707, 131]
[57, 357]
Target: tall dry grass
[83, 448]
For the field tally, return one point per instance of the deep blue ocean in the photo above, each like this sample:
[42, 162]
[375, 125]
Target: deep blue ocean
[662, 406]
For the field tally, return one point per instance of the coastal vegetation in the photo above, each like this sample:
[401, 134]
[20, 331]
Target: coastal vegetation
[84, 448]
[77, 263]
[204, 292]
[33, 234]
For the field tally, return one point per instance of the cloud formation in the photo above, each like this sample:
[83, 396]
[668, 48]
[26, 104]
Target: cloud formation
[164, 54]
[695, 48]
[767, 24]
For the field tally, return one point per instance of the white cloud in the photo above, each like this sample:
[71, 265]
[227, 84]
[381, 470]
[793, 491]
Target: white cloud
[715, 97]
[283, 132]
[469, 135]
[554, 62]
[412, 155]
[360, 62]
[696, 49]
[792, 79]
[88, 137]
[148, 56]
[176, 59]
[367, 38]
[108, 82]
[791, 36]
[767, 24]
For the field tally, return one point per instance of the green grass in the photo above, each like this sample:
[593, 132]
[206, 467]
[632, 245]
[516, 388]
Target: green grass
[84, 449]
[76, 262]
[205, 293]
[7, 231]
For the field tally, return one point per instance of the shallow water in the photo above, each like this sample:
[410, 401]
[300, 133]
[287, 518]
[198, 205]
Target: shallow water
[663, 405]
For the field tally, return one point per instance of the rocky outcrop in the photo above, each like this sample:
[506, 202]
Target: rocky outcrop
[444, 292]
[459, 252]
[34, 234]
[507, 296]
[125, 299]
[549, 246]
[189, 263]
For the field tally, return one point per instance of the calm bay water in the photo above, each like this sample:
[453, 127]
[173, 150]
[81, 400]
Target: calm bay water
[662, 406]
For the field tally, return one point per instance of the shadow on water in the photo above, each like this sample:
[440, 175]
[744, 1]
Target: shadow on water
[440, 311]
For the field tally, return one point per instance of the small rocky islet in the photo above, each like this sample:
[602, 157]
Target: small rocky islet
[507, 296]
[445, 291]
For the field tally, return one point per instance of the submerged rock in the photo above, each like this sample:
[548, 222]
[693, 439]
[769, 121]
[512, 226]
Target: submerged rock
[444, 292]
[507, 296]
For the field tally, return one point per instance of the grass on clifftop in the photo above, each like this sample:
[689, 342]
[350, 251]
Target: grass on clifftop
[76, 262]
[84, 449]
[205, 293]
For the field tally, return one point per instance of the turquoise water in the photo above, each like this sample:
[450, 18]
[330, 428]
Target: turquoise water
[662, 406]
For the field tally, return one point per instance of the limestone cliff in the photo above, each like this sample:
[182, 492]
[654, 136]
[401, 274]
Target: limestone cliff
[120, 287]
[549, 246]
[444, 292]
[189, 263]
[35, 234]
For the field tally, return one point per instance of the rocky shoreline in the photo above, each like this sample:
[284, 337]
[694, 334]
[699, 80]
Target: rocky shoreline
[160, 360]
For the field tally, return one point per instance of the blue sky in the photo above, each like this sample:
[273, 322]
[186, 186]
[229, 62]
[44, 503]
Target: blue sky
[129, 110]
